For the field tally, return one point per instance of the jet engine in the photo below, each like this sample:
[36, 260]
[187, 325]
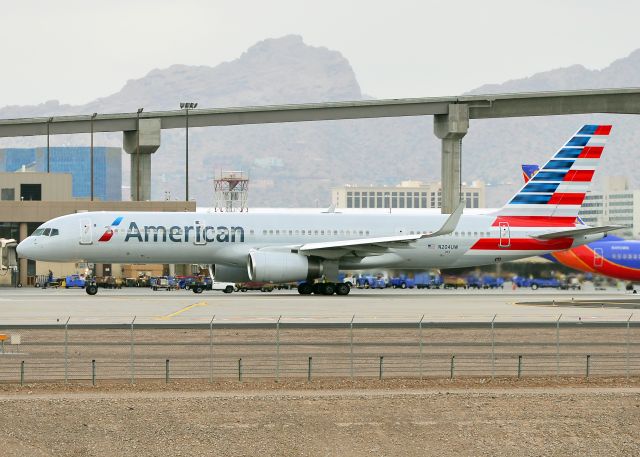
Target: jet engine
[282, 267]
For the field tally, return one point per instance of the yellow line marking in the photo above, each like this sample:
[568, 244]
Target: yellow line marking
[180, 311]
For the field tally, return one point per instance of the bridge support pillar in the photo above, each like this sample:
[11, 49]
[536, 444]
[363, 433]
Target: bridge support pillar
[451, 128]
[140, 144]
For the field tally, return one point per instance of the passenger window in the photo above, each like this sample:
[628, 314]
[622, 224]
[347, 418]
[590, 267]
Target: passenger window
[321, 232]
[250, 232]
[55, 232]
[367, 232]
[290, 232]
[335, 232]
[277, 232]
[316, 232]
[456, 234]
[270, 232]
[264, 232]
[46, 232]
[361, 233]
[303, 232]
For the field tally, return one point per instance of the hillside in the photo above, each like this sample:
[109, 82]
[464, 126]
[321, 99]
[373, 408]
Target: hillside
[297, 164]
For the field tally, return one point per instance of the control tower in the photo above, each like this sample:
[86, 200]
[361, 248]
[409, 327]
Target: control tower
[231, 191]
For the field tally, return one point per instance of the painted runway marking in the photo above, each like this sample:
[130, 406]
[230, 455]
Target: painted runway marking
[182, 310]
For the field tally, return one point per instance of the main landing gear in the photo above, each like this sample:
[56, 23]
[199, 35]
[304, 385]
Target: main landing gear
[324, 288]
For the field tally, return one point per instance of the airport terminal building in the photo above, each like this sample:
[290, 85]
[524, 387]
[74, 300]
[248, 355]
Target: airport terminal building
[76, 161]
[409, 194]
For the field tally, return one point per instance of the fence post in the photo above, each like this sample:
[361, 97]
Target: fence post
[93, 372]
[628, 345]
[588, 364]
[380, 374]
[211, 349]
[240, 369]
[66, 351]
[453, 358]
[420, 343]
[519, 366]
[558, 345]
[493, 347]
[132, 355]
[22, 373]
[309, 370]
[278, 349]
[351, 344]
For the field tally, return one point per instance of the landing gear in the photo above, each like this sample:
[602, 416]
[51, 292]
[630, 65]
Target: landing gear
[342, 289]
[324, 288]
[91, 289]
[305, 288]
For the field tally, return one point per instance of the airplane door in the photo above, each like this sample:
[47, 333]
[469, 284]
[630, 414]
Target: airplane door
[597, 257]
[199, 237]
[86, 231]
[505, 235]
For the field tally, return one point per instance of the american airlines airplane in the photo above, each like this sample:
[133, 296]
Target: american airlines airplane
[539, 219]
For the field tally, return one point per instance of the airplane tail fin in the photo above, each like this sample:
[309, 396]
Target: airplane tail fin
[553, 195]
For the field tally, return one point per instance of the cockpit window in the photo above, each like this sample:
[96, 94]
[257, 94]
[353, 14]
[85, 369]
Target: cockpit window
[47, 231]
[54, 232]
[38, 232]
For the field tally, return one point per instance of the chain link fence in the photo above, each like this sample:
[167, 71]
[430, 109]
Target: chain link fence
[226, 351]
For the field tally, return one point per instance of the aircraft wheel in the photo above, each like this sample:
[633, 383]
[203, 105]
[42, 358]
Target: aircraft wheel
[305, 288]
[342, 289]
[328, 288]
[92, 289]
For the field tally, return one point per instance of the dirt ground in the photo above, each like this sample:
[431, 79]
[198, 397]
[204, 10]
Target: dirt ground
[473, 416]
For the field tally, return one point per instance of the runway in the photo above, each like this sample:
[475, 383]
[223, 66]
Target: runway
[37, 306]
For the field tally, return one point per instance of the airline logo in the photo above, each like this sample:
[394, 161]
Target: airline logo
[553, 195]
[106, 236]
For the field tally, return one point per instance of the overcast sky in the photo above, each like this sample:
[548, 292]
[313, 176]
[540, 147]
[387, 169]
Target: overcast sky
[77, 50]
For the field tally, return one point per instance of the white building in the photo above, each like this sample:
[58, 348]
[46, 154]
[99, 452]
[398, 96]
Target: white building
[616, 204]
[409, 194]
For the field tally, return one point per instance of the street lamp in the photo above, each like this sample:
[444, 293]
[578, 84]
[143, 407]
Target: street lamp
[138, 154]
[93, 116]
[49, 121]
[187, 106]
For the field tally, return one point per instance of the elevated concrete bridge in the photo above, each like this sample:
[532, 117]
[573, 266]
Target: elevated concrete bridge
[141, 131]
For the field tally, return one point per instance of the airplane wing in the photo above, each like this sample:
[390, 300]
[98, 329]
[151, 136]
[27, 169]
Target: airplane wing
[379, 245]
[578, 232]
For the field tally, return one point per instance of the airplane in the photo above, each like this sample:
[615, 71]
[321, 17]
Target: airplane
[611, 256]
[540, 218]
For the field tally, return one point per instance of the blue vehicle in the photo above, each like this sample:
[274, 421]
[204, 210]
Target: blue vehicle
[402, 282]
[424, 280]
[74, 281]
[473, 282]
[490, 282]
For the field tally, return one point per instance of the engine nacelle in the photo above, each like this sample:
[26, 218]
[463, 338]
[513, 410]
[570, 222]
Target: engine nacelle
[282, 267]
[224, 273]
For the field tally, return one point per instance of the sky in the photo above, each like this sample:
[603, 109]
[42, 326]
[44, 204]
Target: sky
[75, 51]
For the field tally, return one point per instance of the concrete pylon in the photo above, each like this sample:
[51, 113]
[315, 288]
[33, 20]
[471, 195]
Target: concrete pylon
[149, 143]
[451, 128]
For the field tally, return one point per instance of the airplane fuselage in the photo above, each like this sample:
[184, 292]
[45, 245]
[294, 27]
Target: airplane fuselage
[227, 238]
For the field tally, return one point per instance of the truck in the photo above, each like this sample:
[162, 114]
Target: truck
[74, 281]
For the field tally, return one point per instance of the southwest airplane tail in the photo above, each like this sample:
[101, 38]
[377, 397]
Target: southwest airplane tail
[540, 218]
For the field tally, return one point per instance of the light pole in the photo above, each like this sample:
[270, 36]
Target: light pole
[93, 116]
[49, 121]
[138, 154]
[187, 106]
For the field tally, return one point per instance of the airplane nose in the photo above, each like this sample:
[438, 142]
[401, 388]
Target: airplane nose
[23, 248]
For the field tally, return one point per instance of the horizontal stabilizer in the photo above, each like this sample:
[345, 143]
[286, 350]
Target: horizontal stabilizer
[578, 232]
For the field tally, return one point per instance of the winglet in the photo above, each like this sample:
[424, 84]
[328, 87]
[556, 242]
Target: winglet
[449, 225]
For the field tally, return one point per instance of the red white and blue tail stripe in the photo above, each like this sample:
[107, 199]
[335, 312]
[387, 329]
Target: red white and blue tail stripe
[553, 195]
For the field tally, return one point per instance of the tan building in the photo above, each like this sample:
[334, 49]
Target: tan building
[616, 204]
[29, 199]
[409, 194]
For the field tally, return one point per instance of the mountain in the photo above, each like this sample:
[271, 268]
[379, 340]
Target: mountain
[296, 164]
